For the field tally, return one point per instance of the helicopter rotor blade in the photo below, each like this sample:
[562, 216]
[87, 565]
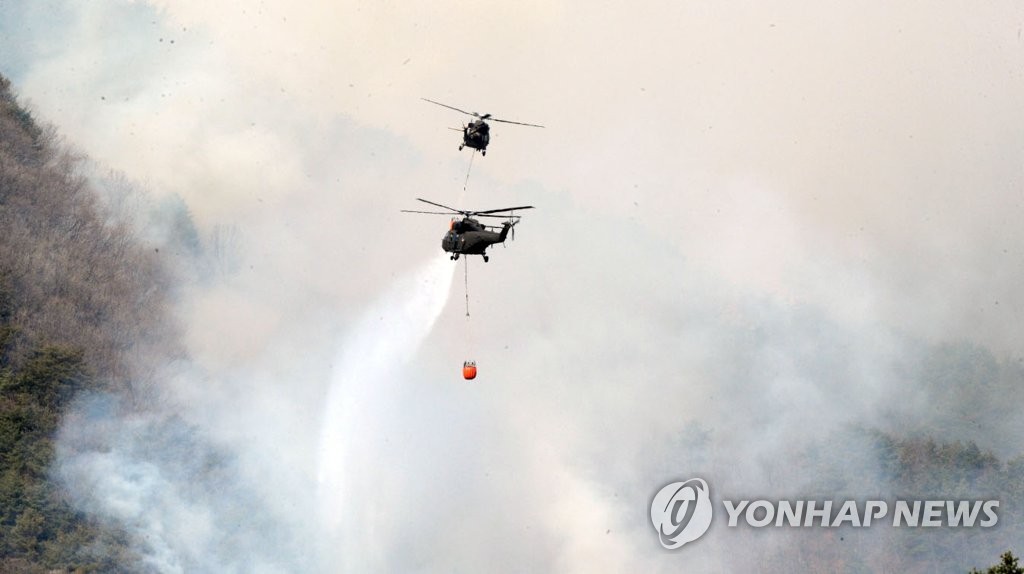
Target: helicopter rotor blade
[486, 213]
[517, 123]
[451, 107]
[452, 209]
[499, 210]
[471, 214]
[428, 212]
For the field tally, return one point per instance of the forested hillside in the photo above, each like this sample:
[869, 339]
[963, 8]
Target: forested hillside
[82, 306]
[911, 469]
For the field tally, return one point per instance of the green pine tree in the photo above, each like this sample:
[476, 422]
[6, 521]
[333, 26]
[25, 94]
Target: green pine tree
[1007, 565]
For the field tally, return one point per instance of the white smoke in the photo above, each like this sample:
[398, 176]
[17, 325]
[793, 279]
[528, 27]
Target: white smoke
[195, 499]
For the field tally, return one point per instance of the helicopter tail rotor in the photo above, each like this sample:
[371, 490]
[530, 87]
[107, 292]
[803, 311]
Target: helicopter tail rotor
[509, 228]
[505, 230]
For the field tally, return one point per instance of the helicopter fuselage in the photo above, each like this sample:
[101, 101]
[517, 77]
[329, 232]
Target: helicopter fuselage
[469, 237]
[476, 135]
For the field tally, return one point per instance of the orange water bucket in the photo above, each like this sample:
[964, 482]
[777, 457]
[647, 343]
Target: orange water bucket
[469, 370]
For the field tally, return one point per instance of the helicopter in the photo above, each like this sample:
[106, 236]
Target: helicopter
[477, 134]
[469, 236]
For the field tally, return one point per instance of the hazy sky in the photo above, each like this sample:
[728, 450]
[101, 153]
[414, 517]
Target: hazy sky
[722, 189]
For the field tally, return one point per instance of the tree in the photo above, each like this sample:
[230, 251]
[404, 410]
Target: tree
[1007, 565]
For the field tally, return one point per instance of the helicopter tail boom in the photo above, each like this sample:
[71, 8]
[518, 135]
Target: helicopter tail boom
[504, 232]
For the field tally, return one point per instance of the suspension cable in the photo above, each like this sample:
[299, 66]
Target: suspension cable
[468, 171]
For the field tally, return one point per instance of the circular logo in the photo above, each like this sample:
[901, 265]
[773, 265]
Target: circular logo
[681, 512]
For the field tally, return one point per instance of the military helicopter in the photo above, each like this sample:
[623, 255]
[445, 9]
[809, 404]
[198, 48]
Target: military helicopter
[476, 134]
[469, 236]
